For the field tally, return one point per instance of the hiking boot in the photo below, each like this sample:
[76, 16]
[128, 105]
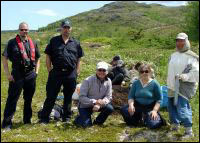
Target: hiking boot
[6, 124]
[188, 135]
[7, 128]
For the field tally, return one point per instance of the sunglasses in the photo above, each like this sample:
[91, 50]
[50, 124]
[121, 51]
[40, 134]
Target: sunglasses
[101, 70]
[146, 71]
[66, 27]
[23, 29]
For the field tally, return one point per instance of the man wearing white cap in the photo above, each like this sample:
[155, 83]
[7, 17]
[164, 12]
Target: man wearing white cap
[95, 96]
[182, 81]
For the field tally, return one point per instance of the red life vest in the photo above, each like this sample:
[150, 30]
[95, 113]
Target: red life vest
[23, 51]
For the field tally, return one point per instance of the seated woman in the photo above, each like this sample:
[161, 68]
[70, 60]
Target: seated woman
[143, 101]
[95, 96]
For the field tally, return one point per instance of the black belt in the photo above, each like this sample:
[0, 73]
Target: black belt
[61, 69]
[64, 69]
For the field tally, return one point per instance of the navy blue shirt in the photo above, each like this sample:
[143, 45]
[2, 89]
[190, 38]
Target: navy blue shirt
[64, 56]
[12, 52]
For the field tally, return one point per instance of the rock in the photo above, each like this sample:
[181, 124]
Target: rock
[95, 45]
[119, 96]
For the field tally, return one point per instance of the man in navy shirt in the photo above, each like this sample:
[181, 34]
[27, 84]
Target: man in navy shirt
[64, 53]
[24, 55]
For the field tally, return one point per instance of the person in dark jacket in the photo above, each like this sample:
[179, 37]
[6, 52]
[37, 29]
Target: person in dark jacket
[64, 53]
[24, 55]
[118, 72]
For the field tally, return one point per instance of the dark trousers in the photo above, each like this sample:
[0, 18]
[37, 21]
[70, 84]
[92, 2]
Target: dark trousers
[141, 116]
[84, 117]
[55, 80]
[116, 80]
[14, 91]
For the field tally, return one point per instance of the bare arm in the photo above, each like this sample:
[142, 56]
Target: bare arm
[78, 66]
[131, 102]
[48, 63]
[154, 112]
[156, 107]
[37, 67]
[131, 108]
[6, 69]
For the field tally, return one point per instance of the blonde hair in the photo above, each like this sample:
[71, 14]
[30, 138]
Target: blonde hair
[149, 68]
[142, 66]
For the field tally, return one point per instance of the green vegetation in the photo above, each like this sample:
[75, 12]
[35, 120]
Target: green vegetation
[137, 32]
[192, 20]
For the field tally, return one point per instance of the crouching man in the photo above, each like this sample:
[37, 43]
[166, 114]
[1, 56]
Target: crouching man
[95, 96]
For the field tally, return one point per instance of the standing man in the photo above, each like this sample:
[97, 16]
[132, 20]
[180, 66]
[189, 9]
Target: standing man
[64, 53]
[182, 81]
[24, 55]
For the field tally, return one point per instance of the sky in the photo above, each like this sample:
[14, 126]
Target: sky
[40, 13]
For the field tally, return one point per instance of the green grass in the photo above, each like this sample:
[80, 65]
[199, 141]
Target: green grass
[114, 126]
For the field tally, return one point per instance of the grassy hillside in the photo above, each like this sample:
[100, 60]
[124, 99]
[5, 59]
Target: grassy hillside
[137, 32]
[118, 17]
[114, 129]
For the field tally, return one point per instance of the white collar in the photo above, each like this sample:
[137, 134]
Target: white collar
[144, 85]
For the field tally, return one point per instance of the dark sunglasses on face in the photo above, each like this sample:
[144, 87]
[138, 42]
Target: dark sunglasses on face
[146, 71]
[66, 27]
[23, 29]
[101, 70]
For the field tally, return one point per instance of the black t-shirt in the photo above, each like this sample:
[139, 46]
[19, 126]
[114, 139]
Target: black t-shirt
[12, 52]
[64, 56]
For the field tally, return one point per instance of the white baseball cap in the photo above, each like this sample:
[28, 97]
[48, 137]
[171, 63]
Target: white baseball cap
[102, 65]
[182, 36]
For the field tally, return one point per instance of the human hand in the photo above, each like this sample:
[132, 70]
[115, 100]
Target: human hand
[154, 115]
[10, 78]
[183, 77]
[96, 108]
[131, 109]
[100, 102]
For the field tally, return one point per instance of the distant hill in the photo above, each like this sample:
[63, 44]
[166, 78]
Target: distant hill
[7, 31]
[115, 17]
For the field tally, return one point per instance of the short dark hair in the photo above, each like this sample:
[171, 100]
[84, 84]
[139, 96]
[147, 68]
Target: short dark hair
[116, 58]
[137, 65]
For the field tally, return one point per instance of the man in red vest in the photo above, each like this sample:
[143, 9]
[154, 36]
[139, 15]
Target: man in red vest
[24, 55]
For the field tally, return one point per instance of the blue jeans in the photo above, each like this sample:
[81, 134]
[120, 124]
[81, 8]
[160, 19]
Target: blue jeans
[182, 113]
[84, 117]
[136, 118]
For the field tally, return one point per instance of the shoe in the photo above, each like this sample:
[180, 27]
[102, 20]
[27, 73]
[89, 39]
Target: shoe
[97, 123]
[27, 122]
[7, 128]
[175, 127]
[42, 121]
[188, 135]
[6, 124]
[66, 120]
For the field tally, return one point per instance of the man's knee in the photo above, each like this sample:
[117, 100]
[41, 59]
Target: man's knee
[109, 108]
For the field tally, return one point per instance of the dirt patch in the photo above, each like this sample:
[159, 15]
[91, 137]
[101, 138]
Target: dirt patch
[119, 96]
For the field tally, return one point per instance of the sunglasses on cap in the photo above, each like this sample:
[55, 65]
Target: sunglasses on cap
[146, 71]
[101, 70]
